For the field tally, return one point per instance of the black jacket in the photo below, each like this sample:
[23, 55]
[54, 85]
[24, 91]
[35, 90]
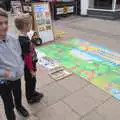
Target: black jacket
[5, 4]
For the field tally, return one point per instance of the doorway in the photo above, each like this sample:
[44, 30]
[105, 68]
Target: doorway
[77, 7]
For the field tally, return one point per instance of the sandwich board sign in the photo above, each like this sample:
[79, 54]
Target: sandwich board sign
[42, 21]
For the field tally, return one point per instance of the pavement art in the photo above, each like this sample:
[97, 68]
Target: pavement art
[92, 62]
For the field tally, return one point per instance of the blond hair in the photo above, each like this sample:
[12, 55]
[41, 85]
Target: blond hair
[3, 13]
[22, 20]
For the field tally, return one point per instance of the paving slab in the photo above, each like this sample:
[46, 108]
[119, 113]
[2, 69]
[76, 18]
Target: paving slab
[110, 110]
[81, 102]
[73, 83]
[34, 108]
[93, 116]
[54, 93]
[58, 111]
[43, 78]
[97, 93]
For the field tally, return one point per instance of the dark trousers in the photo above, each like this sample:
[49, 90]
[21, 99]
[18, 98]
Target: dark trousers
[6, 91]
[30, 83]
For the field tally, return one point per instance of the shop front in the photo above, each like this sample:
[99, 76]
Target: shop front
[109, 9]
[62, 8]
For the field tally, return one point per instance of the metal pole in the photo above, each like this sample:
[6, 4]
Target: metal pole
[114, 5]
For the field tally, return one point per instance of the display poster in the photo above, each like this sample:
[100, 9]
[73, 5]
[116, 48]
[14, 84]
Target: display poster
[65, 10]
[42, 21]
[16, 7]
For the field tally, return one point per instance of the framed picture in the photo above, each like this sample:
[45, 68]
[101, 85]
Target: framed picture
[59, 73]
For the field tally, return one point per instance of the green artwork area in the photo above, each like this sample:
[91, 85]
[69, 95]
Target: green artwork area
[97, 64]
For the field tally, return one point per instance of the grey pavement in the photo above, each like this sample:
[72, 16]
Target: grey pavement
[73, 98]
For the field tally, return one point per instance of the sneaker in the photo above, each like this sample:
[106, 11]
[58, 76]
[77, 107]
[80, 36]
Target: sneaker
[22, 111]
[35, 98]
[37, 94]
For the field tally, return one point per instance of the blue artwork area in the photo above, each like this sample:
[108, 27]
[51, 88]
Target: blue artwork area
[99, 46]
[87, 55]
[106, 52]
[116, 93]
[38, 8]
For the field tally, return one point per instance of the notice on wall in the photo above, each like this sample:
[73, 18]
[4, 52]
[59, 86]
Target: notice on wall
[65, 10]
[16, 7]
[42, 21]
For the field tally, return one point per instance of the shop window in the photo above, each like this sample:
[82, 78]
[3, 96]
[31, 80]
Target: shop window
[101, 4]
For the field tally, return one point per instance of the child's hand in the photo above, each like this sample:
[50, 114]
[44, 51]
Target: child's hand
[33, 73]
[7, 73]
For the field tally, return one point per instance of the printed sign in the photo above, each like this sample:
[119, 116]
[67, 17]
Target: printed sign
[65, 10]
